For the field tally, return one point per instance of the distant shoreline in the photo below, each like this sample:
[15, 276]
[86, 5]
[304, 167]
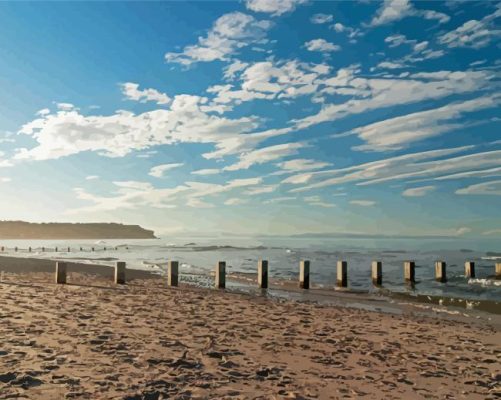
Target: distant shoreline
[20, 230]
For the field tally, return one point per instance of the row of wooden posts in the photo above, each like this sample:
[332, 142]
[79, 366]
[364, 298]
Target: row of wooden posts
[304, 273]
[68, 249]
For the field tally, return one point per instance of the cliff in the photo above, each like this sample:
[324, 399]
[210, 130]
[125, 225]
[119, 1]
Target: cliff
[28, 230]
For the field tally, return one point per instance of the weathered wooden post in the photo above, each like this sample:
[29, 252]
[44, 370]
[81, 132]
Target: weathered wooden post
[3, 248]
[304, 274]
[469, 269]
[55, 249]
[173, 273]
[60, 272]
[498, 270]
[80, 249]
[377, 273]
[440, 271]
[342, 273]
[120, 272]
[15, 248]
[43, 249]
[104, 248]
[262, 274]
[221, 275]
[93, 249]
[29, 249]
[69, 250]
[409, 273]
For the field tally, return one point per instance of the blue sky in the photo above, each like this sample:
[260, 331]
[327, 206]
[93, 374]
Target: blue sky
[272, 117]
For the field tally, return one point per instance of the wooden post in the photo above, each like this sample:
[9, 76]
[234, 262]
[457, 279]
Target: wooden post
[29, 249]
[377, 273]
[221, 275]
[15, 248]
[93, 249]
[69, 250]
[304, 274]
[409, 273]
[55, 249]
[43, 249]
[498, 270]
[469, 269]
[342, 273]
[60, 272]
[440, 271]
[120, 272]
[262, 274]
[80, 249]
[173, 273]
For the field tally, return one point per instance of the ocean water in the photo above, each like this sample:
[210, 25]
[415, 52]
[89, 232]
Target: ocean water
[198, 256]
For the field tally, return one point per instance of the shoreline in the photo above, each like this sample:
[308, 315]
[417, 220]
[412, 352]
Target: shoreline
[379, 301]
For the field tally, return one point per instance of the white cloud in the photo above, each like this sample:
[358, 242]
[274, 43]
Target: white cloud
[338, 27]
[351, 32]
[321, 18]
[63, 107]
[207, 171]
[273, 7]
[397, 40]
[363, 203]
[420, 52]
[418, 47]
[69, 132]
[318, 202]
[147, 154]
[91, 177]
[375, 93]
[492, 232]
[391, 65]
[269, 80]
[265, 155]
[418, 191]
[427, 164]
[462, 231]
[43, 111]
[482, 173]
[132, 92]
[395, 10]
[134, 194]
[235, 67]
[197, 203]
[484, 188]
[261, 189]
[301, 164]
[322, 204]
[235, 201]
[321, 45]
[159, 170]
[473, 33]
[279, 200]
[398, 132]
[5, 179]
[229, 33]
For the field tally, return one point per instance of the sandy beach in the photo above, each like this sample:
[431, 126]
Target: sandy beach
[91, 339]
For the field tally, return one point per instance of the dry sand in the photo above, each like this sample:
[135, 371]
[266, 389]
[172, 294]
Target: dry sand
[93, 340]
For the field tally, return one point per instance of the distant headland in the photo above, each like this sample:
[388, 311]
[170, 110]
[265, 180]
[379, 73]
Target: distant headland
[56, 230]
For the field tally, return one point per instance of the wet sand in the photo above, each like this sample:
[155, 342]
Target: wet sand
[91, 339]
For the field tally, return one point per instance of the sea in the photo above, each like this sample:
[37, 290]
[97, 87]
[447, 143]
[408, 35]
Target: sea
[197, 257]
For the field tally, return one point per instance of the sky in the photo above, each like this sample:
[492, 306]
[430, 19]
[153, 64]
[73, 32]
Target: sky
[253, 117]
